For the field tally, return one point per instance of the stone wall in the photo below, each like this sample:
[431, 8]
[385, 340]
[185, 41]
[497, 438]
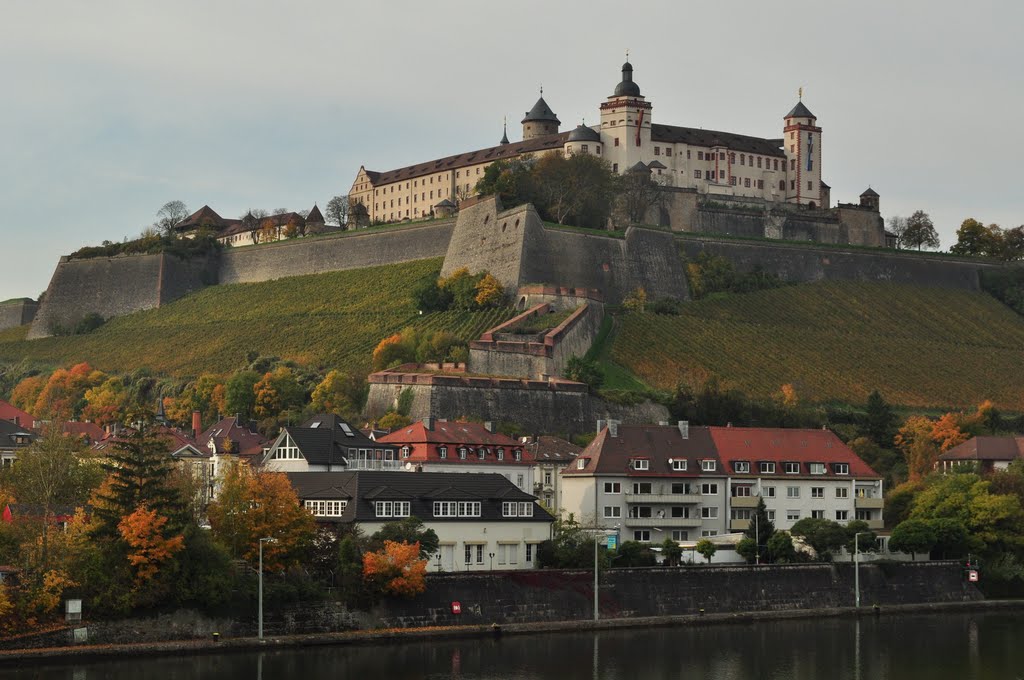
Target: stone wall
[14, 313]
[804, 263]
[334, 252]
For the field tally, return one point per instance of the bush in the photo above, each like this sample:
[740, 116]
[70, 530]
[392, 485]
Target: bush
[584, 371]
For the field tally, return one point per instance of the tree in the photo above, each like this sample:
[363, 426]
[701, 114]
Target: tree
[951, 539]
[239, 396]
[431, 297]
[912, 536]
[276, 392]
[512, 180]
[339, 393]
[920, 231]
[578, 189]
[636, 300]
[169, 216]
[269, 230]
[106, 403]
[760, 531]
[489, 292]
[994, 522]
[865, 542]
[392, 420]
[914, 439]
[671, 552]
[150, 547]
[898, 227]
[336, 211]
[780, 547]
[1013, 244]
[569, 548]
[639, 193]
[975, 239]
[407, 530]
[635, 554]
[585, 371]
[398, 568]
[706, 549]
[880, 424]
[823, 535]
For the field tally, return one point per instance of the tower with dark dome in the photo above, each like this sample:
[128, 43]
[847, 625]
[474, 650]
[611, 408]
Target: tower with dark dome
[625, 123]
[540, 121]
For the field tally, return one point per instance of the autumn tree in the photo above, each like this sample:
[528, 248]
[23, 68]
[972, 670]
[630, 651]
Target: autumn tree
[150, 543]
[489, 292]
[975, 239]
[276, 392]
[994, 522]
[706, 549]
[392, 420]
[389, 351]
[107, 402]
[920, 231]
[914, 440]
[27, 391]
[636, 300]
[397, 568]
[62, 396]
[257, 504]
[204, 394]
[239, 395]
[338, 392]
[169, 216]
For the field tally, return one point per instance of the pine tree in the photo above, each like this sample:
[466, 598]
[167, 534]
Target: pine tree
[881, 421]
[760, 529]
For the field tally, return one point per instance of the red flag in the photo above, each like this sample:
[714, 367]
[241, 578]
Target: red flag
[639, 123]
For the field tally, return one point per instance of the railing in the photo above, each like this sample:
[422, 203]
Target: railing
[868, 503]
[745, 501]
[662, 498]
[739, 524]
[374, 465]
[659, 522]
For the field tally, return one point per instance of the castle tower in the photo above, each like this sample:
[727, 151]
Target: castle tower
[869, 199]
[540, 120]
[802, 141]
[625, 123]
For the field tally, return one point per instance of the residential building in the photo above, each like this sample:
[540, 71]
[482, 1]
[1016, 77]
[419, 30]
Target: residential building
[985, 454]
[228, 439]
[13, 437]
[326, 443]
[482, 521]
[434, 445]
[87, 432]
[550, 456]
[13, 414]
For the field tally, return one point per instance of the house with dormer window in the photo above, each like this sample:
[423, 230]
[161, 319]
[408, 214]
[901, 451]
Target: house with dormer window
[13, 437]
[327, 443]
[482, 521]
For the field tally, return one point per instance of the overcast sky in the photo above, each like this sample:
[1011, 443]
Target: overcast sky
[110, 109]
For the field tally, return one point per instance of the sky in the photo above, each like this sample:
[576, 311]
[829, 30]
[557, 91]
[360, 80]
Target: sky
[112, 108]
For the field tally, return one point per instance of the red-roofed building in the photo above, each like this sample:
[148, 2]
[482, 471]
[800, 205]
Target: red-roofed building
[15, 415]
[87, 432]
[435, 445]
[985, 454]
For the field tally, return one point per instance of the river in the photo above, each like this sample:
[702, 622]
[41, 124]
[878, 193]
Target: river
[957, 646]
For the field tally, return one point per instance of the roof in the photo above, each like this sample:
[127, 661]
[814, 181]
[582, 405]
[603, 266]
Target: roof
[800, 111]
[462, 160]
[657, 165]
[548, 449]
[244, 441]
[541, 112]
[448, 432]
[326, 438]
[783, 445]
[205, 216]
[987, 448]
[869, 192]
[582, 133]
[627, 88]
[315, 216]
[674, 134]
[232, 227]
[639, 167]
[10, 434]
[362, 488]
[12, 413]
[609, 454]
[90, 432]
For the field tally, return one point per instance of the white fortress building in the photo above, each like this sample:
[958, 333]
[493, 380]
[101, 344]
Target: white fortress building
[781, 170]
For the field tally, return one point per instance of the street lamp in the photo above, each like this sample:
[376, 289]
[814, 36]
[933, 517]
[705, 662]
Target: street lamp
[856, 567]
[262, 541]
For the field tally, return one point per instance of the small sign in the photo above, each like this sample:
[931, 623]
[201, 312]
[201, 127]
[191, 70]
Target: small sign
[972, 576]
[613, 542]
[81, 635]
[456, 608]
[73, 610]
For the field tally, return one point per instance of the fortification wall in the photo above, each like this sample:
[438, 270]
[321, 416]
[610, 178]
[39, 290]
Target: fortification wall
[804, 263]
[16, 313]
[115, 286]
[347, 250]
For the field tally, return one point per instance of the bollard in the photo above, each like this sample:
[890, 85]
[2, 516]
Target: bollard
[700, 612]
[216, 637]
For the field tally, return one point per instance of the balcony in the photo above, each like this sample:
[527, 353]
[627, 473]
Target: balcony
[663, 498]
[739, 524]
[663, 522]
[393, 465]
[744, 501]
[868, 503]
[875, 524]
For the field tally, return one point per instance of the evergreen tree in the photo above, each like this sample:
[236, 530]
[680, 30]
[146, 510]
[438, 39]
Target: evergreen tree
[881, 421]
[760, 529]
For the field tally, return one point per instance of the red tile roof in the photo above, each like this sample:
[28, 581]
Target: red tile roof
[15, 414]
[447, 432]
[656, 444]
[987, 448]
[90, 432]
[779, 445]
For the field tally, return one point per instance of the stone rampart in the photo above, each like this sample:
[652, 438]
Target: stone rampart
[14, 313]
[334, 252]
[805, 263]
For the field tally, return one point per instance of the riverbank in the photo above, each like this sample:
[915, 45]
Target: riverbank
[88, 653]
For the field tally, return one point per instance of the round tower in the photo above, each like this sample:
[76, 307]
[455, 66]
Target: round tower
[583, 140]
[540, 121]
[802, 142]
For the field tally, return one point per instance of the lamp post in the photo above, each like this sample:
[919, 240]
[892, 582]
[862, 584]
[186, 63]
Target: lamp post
[262, 541]
[856, 567]
[596, 614]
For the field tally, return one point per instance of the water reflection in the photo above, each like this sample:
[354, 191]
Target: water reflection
[909, 648]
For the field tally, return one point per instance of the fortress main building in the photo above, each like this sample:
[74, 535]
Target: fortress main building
[783, 170]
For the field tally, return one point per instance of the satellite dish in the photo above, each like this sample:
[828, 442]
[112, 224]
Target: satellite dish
[408, 466]
[671, 460]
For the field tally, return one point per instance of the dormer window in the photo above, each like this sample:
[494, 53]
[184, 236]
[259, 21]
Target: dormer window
[709, 465]
[817, 468]
[481, 453]
[462, 453]
[581, 463]
[842, 468]
[742, 467]
[641, 464]
[517, 454]
[442, 452]
[679, 465]
[500, 453]
[791, 468]
[405, 452]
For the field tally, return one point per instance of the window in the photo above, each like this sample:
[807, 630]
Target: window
[841, 468]
[771, 515]
[641, 511]
[469, 554]
[517, 454]
[721, 155]
[612, 511]
[841, 515]
[687, 153]
[615, 166]
[391, 508]
[791, 468]
[481, 453]
[585, 148]
[742, 466]
[405, 452]
[767, 468]
[863, 514]
[842, 492]
[668, 151]
[709, 512]
[817, 514]
[547, 477]
[681, 487]
[768, 491]
[817, 468]
[721, 173]
[442, 452]
[707, 533]
[642, 487]
[642, 535]
[741, 490]
[678, 465]
[678, 535]
[732, 181]
[792, 185]
[529, 553]
[792, 515]
[817, 492]
[462, 453]
[456, 508]
[520, 480]
[740, 513]
[612, 487]
[469, 508]
[680, 511]
[696, 174]
[508, 553]
[657, 151]
[616, 141]
[810, 185]
[708, 465]
[792, 492]
[641, 464]
[288, 450]
[323, 508]
[700, 155]
[513, 509]
[709, 489]
[581, 463]
[746, 182]
[479, 553]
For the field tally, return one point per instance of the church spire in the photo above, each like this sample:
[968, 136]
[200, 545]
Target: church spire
[504, 133]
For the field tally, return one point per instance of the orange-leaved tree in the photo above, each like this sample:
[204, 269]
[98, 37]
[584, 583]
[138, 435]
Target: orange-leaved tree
[143, 531]
[397, 568]
[914, 440]
[489, 292]
[387, 351]
[64, 389]
[26, 392]
[107, 402]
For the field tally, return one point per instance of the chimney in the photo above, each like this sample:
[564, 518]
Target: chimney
[197, 424]
[600, 426]
[428, 423]
[684, 428]
[489, 426]
[613, 428]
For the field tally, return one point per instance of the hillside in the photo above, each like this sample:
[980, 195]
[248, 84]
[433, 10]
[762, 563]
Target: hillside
[333, 319]
[836, 341]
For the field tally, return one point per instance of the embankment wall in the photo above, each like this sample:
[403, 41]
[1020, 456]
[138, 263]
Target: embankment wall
[16, 313]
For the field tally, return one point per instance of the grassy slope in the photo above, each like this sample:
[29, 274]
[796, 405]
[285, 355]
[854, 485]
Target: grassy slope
[332, 320]
[836, 341]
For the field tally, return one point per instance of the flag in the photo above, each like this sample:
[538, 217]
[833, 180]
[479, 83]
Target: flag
[810, 151]
[639, 123]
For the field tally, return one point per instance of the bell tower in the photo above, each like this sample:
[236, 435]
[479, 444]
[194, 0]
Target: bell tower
[626, 123]
[802, 141]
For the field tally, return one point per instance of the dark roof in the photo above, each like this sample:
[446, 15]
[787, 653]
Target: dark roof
[315, 216]
[869, 192]
[504, 135]
[549, 449]
[584, 134]
[674, 134]
[658, 443]
[11, 433]
[987, 448]
[657, 165]
[639, 167]
[627, 88]
[462, 160]
[244, 442]
[361, 488]
[446, 204]
[800, 111]
[204, 217]
[326, 438]
[541, 112]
